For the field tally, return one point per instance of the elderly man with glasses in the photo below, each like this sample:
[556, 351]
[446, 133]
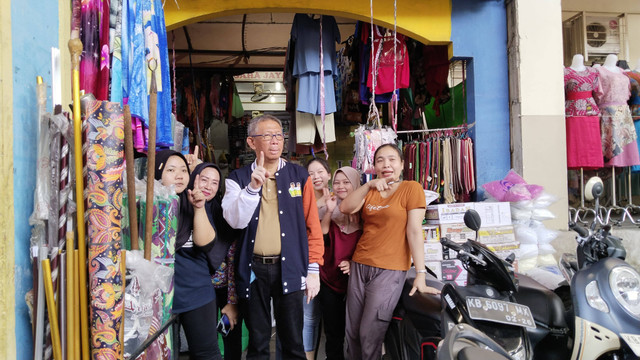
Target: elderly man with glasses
[281, 247]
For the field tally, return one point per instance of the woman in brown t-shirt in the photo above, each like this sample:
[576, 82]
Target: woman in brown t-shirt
[392, 211]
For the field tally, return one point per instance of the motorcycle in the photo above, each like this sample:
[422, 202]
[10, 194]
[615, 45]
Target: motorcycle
[489, 303]
[605, 291]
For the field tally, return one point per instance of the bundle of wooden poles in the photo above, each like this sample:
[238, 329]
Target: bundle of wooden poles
[72, 331]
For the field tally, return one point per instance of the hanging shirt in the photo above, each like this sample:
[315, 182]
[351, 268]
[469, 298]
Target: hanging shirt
[383, 63]
[305, 31]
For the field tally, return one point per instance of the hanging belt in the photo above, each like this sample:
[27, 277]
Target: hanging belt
[578, 95]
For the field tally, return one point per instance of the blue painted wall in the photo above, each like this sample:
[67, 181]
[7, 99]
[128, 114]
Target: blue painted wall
[33, 34]
[479, 33]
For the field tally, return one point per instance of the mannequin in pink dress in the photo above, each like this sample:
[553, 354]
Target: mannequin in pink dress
[619, 145]
[584, 145]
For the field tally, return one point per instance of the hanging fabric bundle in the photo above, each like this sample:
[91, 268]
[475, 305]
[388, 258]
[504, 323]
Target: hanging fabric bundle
[444, 163]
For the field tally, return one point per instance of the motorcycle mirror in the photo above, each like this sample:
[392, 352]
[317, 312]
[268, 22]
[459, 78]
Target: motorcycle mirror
[593, 189]
[472, 219]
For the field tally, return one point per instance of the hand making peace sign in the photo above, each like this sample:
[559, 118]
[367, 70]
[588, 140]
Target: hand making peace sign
[196, 197]
[193, 159]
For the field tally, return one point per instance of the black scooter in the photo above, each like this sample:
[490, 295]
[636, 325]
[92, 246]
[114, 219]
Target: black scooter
[516, 312]
[605, 292]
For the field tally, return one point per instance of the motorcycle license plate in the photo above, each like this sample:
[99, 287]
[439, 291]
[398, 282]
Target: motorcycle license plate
[499, 311]
[633, 341]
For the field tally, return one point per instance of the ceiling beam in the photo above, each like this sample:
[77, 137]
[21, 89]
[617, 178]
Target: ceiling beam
[232, 52]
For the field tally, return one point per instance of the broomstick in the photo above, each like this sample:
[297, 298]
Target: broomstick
[131, 182]
[151, 159]
[75, 48]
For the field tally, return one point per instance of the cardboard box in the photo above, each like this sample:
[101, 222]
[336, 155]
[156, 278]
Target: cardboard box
[457, 232]
[436, 267]
[431, 233]
[491, 213]
[452, 271]
[432, 252]
[506, 249]
[447, 213]
[496, 234]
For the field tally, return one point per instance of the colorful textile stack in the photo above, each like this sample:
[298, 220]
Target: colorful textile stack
[165, 227]
[104, 153]
[163, 239]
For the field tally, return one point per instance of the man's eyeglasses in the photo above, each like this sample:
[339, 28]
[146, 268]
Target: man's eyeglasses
[268, 137]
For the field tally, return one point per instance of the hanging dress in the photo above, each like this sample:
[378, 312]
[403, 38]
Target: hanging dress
[619, 145]
[634, 105]
[584, 144]
[305, 32]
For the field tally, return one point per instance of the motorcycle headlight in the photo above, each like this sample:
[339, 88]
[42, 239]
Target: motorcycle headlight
[593, 297]
[625, 285]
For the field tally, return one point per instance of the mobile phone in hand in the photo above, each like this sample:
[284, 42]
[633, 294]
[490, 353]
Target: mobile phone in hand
[224, 325]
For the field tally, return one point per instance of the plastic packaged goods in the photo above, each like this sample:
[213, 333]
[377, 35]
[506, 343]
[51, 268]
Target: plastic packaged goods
[144, 280]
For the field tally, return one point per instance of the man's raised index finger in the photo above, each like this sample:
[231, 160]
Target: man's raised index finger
[261, 159]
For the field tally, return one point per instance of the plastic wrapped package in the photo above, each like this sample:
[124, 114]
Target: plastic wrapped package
[164, 230]
[549, 276]
[546, 260]
[517, 193]
[512, 188]
[520, 214]
[545, 236]
[542, 214]
[523, 204]
[178, 133]
[524, 265]
[528, 251]
[544, 200]
[144, 280]
[41, 196]
[545, 249]
[525, 234]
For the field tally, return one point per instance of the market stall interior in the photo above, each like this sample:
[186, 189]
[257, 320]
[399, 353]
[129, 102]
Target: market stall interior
[318, 74]
[245, 72]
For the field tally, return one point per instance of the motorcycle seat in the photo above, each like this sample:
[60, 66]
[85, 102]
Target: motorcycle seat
[422, 305]
[546, 306]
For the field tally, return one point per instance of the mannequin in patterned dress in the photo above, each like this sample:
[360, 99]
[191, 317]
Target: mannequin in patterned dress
[619, 144]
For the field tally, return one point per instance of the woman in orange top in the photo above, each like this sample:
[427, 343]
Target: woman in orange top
[392, 211]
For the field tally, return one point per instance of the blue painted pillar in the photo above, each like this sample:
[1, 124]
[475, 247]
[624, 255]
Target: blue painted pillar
[34, 30]
[479, 34]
